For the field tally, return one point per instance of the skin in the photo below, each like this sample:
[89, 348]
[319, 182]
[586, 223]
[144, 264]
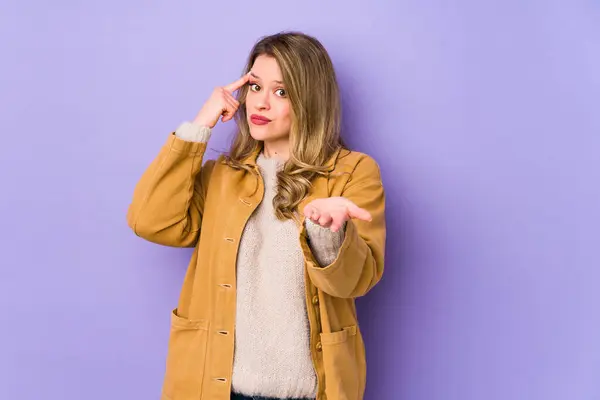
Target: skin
[267, 97]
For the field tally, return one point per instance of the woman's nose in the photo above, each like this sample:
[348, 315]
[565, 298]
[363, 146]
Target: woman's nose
[262, 102]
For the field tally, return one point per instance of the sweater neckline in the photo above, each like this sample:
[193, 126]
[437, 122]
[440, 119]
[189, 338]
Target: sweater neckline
[271, 163]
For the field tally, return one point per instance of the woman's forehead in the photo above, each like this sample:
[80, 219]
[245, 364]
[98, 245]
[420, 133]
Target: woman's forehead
[266, 69]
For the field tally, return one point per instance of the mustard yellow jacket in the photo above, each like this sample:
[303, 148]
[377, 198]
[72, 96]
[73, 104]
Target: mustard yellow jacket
[180, 202]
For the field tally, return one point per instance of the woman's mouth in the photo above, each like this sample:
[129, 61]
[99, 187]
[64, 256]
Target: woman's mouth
[259, 119]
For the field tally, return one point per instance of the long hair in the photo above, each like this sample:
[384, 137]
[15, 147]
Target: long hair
[313, 92]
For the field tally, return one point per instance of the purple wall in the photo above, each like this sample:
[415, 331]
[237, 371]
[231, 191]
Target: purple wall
[484, 116]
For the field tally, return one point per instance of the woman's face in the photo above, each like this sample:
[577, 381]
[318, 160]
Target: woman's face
[267, 105]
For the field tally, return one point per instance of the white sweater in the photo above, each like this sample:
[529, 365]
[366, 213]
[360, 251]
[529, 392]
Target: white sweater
[272, 351]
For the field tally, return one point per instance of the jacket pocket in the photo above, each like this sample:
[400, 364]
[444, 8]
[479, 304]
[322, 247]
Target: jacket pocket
[344, 379]
[185, 358]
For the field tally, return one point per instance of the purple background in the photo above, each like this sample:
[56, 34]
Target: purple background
[485, 119]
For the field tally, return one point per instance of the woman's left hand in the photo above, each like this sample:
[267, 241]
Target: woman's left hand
[332, 212]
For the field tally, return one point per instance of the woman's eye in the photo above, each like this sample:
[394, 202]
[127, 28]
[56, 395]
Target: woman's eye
[280, 92]
[254, 87]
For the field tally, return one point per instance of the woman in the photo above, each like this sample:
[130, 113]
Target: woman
[288, 229]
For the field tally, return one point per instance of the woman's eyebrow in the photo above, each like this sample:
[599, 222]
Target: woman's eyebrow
[257, 77]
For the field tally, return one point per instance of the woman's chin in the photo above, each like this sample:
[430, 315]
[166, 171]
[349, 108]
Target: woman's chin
[259, 134]
[264, 134]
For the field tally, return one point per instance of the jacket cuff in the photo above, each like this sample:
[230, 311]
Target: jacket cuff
[339, 278]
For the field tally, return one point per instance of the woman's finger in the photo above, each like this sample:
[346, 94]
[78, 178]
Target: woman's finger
[311, 212]
[325, 220]
[359, 213]
[308, 210]
[233, 105]
[338, 220]
[315, 214]
[232, 87]
[229, 97]
[228, 113]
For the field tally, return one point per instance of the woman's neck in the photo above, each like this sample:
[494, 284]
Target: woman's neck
[279, 149]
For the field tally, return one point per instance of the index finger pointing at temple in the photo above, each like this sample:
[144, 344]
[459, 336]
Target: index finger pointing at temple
[232, 87]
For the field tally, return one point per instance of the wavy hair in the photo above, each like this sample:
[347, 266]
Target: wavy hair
[313, 92]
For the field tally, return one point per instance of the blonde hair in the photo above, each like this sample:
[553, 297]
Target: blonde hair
[312, 89]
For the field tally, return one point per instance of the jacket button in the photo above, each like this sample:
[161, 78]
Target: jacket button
[315, 300]
[319, 346]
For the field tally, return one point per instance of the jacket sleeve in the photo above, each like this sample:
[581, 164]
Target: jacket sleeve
[359, 262]
[168, 200]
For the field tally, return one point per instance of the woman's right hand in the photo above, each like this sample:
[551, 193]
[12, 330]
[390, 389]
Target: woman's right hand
[220, 103]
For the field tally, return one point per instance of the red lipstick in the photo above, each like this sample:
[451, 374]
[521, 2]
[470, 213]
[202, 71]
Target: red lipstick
[259, 119]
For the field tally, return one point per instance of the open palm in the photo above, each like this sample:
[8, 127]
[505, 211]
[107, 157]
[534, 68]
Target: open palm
[332, 212]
